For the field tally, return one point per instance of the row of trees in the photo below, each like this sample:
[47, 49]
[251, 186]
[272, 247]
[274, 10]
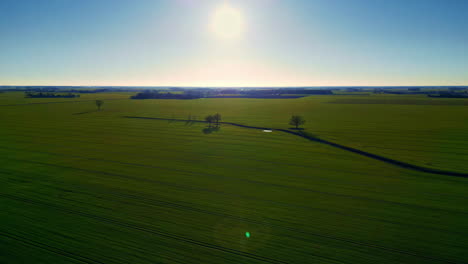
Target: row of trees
[165, 95]
[49, 95]
[216, 118]
[296, 120]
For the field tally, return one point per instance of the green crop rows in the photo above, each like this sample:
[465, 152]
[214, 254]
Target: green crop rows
[85, 186]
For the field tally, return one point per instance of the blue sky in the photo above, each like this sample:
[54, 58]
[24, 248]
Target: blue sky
[281, 43]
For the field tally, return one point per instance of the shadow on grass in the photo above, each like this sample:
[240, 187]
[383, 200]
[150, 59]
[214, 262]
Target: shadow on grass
[308, 134]
[302, 132]
[189, 122]
[209, 130]
[87, 112]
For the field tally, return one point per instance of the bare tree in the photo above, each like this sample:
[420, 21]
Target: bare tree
[210, 119]
[296, 121]
[217, 118]
[99, 103]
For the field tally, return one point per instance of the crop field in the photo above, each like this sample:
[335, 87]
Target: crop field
[84, 186]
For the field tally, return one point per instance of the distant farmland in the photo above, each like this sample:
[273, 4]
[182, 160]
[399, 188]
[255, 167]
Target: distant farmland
[80, 185]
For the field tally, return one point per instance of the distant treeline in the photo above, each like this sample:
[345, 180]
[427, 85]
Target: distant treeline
[270, 92]
[406, 92]
[449, 95]
[49, 95]
[229, 93]
[58, 89]
[259, 96]
[304, 91]
[158, 95]
[244, 92]
[89, 91]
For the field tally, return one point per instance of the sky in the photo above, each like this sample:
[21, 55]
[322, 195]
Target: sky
[234, 42]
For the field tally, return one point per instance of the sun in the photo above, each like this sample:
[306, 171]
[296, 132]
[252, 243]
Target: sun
[227, 22]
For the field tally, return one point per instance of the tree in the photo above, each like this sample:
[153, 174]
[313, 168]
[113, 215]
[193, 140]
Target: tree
[217, 118]
[209, 119]
[296, 121]
[99, 103]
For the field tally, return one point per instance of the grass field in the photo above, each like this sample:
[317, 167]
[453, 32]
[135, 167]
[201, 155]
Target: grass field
[78, 185]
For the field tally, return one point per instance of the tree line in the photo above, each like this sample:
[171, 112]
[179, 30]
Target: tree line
[213, 119]
[49, 95]
[295, 120]
[168, 95]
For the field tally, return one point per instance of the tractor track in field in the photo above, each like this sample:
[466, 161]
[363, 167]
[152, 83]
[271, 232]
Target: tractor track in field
[179, 205]
[394, 162]
[184, 187]
[325, 236]
[293, 229]
[358, 243]
[149, 230]
[55, 250]
[179, 238]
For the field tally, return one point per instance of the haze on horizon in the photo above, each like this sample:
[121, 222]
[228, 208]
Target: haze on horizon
[234, 43]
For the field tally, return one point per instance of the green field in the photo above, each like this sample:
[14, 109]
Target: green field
[85, 186]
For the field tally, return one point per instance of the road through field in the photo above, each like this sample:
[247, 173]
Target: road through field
[306, 136]
[79, 185]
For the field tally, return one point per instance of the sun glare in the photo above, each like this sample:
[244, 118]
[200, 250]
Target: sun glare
[227, 22]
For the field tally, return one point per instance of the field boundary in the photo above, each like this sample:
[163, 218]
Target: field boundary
[63, 102]
[394, 162]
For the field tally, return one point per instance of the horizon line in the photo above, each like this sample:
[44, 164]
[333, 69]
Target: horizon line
[257, 86]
